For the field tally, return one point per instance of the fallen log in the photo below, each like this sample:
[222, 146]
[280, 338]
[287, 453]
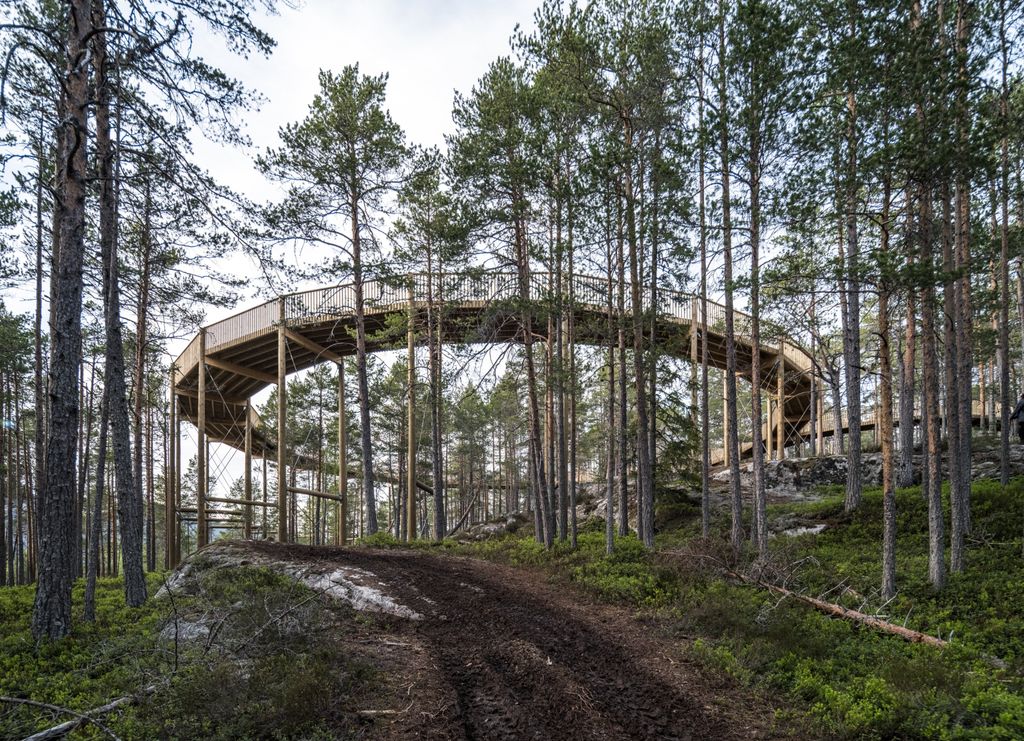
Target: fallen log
[465, 516]
[830, 608]
[91, 716]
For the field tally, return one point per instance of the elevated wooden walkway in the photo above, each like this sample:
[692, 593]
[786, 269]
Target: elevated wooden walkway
[240, 352]
[229, 361]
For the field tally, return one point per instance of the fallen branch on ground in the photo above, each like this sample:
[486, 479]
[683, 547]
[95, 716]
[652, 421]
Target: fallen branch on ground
[465, 516]
[62, 729]
[830, 608]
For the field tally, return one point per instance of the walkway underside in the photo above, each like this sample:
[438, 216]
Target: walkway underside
[241, 352]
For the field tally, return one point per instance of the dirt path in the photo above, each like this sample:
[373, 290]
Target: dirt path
[499, 654]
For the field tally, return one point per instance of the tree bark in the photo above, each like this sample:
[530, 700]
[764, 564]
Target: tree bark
[366, 442]
[93, 561]
[129, 493]
[51, 617]
[1004, 256]
[885, 411]
[760, 524]
[851, 319]
[732, 444]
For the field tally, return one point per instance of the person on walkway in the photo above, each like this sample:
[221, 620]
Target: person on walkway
[1018, 414]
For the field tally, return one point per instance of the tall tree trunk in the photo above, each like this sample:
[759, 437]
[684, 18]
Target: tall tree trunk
[930, 386]
[51, 616]
[623, 401]
[736, 500]
[609, 535]
[37, 378]
[951, 411]
[572, 378]
[645, 488]
[760, 524]
[851, 324]
[141, 340]
[526, 319]
[1004, 255]
[93, 561]
[559, 388]
[365, 441]
[434, 388]
[705, 418]
[961, 506]
[885, 411]
[905, 474]
[129, 492]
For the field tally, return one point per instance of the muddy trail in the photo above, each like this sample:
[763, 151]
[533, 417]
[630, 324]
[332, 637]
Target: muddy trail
[500, 654]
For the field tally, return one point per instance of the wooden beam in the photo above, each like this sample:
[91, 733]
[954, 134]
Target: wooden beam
[313, 493]
[313, 347]
[247, 502]
[194, 394]
[241, 370]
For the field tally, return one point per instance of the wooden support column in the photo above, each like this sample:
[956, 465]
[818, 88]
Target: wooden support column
[177, 482]
[781, 392]
[769, 438]
[725, 418]
[263, 525]
[247, 476]
[282, 416]
[342, 460]
[202, 480]
[170, 513]
[410, 433]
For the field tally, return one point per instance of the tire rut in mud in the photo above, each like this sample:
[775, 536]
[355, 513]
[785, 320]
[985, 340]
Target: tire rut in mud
[527, 663]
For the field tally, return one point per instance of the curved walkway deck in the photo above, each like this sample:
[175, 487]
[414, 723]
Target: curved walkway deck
[240, 352]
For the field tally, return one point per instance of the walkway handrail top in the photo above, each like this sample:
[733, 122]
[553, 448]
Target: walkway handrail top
[483, 286]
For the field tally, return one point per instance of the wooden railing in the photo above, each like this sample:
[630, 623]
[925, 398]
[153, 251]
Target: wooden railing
[588, 293]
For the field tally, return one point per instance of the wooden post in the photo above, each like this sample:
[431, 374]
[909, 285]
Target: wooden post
[781, 403]
[410, 436]
[725, 418]
[247, 476]
[202, 536]
[282, 416]
[769, 437]
[177, 482]
[263, 525]
[342, 461]
[170, 513]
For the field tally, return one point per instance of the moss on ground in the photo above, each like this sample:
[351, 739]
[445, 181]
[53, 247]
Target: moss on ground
[266, 659]
[850, 681]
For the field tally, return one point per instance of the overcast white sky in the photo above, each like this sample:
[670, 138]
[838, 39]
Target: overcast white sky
[430, 48]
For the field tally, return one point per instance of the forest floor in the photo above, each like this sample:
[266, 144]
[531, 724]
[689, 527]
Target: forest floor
[502, 638]
[501, 654]
[260, 640]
